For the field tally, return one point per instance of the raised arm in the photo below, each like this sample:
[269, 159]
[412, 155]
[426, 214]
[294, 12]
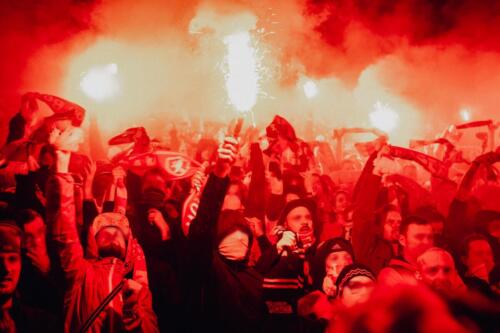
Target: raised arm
[458, 225]
[61, 220]
[365, 198]
[203, 228]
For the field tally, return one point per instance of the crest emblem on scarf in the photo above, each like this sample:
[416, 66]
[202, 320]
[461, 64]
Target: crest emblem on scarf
[177, 166]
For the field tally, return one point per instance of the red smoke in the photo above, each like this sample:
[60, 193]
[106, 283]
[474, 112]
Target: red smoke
[438, 54]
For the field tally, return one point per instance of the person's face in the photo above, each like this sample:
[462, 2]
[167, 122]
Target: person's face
[299, 220]
[479, 253]
[10, 269]
[335, 262]
[437, 270]
[391, 225]
[341, 202]
[417, 240]
[63, 125]
[46, 160]
[34, 232]
[235, 245]
[233, 189]
[357, 290]
[111, 243]
[316, 185]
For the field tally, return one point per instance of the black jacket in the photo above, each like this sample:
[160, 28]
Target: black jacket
[223, 295]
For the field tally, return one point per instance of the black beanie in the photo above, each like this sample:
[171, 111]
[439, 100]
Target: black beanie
[331, 245]
[307, 203]
[351, 271]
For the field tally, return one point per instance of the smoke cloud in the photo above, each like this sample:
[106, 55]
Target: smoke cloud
[425, 59]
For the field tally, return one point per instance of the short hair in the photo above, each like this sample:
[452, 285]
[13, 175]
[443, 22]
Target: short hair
[412, 219]
[471, 238]
[430, 213]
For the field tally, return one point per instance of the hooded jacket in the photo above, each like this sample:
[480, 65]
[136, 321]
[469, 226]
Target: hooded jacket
[89, 281]
[223, 294]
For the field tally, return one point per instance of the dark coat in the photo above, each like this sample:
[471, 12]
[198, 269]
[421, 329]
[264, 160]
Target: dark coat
[223, 295]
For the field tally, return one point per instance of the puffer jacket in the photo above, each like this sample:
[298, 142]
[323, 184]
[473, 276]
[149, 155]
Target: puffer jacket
[89, 281]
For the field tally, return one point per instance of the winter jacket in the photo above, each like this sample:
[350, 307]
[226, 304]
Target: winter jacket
[286, 279]
[399, 271]
[164, 262]
[89, 281]
[223, 295]
[28, 319]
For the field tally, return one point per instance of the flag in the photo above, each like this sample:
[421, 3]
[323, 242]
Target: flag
[177, 165]
[189, 210]
[63, 109]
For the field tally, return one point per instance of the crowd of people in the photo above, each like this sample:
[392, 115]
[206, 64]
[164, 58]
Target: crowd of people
[256, 231]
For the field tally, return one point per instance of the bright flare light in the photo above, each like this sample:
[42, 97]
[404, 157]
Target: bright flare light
[384, 118]
[465, 115]
[310, 89]
[242, 77]
[101, 82]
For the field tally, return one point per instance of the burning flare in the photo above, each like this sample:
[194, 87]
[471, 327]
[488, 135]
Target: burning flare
[242, 76]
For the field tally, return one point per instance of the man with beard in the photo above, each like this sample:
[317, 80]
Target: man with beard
[286, 266]
[415, 239]
[117, 261]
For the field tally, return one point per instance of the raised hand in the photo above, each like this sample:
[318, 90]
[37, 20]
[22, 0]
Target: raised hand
[155, 218]
[288, 241]
[131, 291]
[226, 156]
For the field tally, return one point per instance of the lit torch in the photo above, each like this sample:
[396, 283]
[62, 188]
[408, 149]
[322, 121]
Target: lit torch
[242, 77]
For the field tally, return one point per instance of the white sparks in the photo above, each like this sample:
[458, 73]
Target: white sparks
[101, 82]
[310, 89]
[242, 77]
[384, 118]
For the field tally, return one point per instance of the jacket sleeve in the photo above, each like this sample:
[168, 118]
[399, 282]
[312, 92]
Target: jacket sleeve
[255, 206]
[62, 226]
[364, 229]
[203, 228]
[145, 321]
[418, 195]
[458, 225]
[267, 260]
